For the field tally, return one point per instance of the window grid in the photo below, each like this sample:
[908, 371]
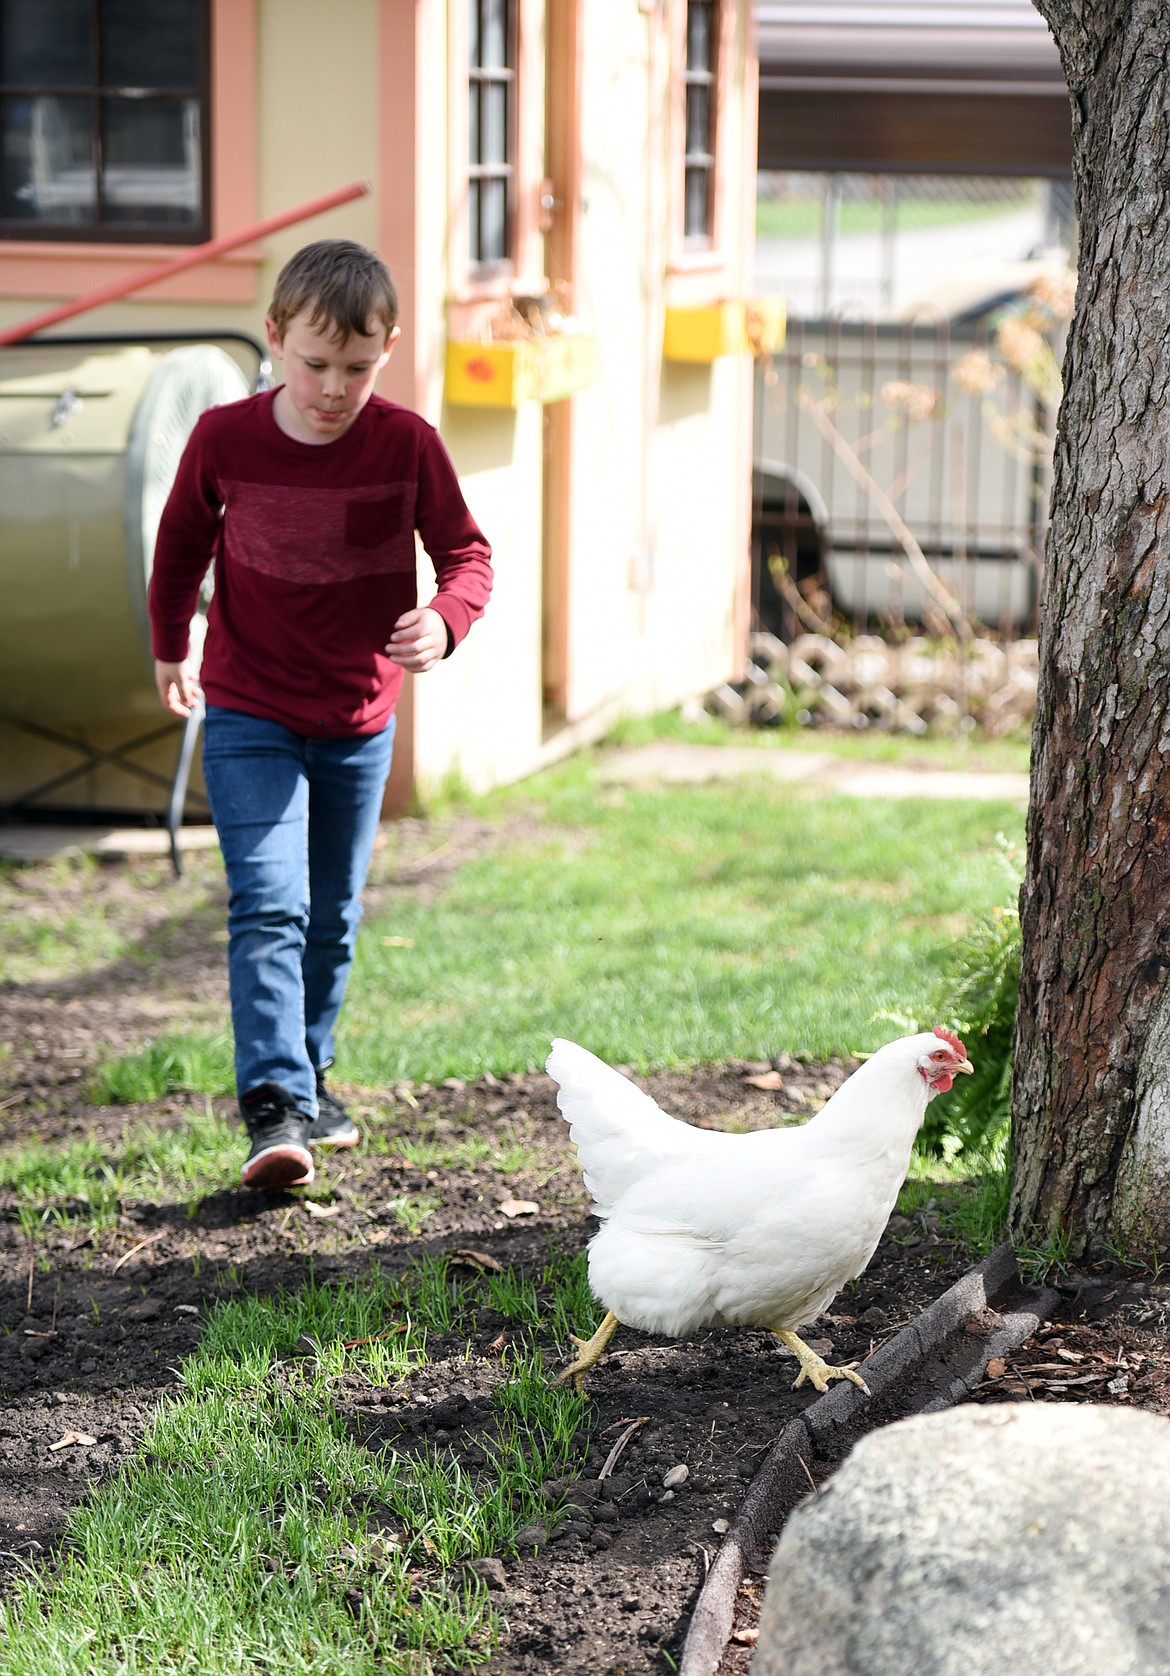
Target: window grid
[492, 124]
[699, 141]
[114, 129]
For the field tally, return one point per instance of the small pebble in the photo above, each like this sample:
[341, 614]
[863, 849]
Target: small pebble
[721, 1526]
[148, 1310]
[490, 1571]
[676, 1476]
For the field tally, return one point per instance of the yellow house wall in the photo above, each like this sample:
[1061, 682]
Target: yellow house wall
[478, 715]
[618, 287]
[313, 61]
[662, 460]
[657, 561]
[662, 451]
[301, 154]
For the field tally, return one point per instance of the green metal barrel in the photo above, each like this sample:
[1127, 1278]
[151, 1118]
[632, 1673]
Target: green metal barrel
[89, 443]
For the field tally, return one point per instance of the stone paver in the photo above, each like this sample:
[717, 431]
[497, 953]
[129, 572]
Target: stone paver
[678, 764]
[669, 761]
[44, 843]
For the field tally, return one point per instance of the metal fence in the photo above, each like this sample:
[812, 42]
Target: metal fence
[879, 246]
[902, 476]
[903, 455]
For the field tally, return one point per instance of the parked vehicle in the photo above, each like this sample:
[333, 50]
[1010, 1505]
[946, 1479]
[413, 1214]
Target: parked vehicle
[903, 469]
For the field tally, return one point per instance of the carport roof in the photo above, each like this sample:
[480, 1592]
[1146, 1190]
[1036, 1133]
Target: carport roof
[906, 46]
[917, 86]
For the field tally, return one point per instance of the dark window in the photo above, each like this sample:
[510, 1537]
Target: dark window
[492, 90]
[699, 144]
[104, 113]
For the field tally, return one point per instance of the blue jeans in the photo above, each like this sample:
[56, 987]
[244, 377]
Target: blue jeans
[296, 818]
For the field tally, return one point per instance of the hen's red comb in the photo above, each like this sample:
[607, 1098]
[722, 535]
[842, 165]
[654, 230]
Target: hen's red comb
[950, 1037]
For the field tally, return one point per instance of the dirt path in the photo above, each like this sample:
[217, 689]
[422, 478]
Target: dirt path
[95, 1325]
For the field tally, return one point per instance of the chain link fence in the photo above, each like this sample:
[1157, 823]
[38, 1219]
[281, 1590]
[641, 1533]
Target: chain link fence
[904, 447]
[880, 246]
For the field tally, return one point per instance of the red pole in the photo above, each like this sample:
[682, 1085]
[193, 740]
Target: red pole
[178, 264]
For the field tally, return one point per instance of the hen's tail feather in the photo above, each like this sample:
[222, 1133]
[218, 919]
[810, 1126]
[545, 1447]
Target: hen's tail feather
[619, 1132]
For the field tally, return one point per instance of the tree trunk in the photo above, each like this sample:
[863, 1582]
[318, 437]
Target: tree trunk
[1092, 1058]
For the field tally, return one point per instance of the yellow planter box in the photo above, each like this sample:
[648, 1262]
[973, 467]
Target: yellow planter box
[490, 374]
[506, 374]
[734, 328]
[567, 364]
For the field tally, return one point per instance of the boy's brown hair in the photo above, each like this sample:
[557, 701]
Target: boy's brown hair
[339, 283]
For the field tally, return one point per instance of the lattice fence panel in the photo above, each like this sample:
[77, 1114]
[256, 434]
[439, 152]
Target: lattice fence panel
[908, 687]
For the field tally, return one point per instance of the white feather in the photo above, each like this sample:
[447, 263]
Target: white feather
[701, 1227]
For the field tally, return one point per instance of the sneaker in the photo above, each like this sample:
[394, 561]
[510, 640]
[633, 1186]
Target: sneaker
[280, 1155]
[332, 1126]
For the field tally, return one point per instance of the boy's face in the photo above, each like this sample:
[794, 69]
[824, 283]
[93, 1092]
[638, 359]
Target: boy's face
[326, 383]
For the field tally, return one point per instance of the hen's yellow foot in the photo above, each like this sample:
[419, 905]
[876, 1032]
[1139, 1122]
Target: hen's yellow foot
[814, 1368]
[592, 1350]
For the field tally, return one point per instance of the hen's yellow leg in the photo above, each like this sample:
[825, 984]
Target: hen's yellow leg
[814, 1368]
[592, 1350]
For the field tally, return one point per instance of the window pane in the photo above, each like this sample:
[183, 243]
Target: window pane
[494, 40]
[696, 222]
[150, 43]
[46, 43]
[489, 139]
[698, 35]
[493, 221]
[49, 171]
[698, 120]
[494, 134]
[151, 160]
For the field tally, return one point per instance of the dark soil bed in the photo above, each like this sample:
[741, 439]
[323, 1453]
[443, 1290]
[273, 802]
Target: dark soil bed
[90, 1340]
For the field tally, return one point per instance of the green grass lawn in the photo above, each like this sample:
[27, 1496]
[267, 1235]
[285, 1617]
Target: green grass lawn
[670, 925]
[243, 1535]
[660, 926]
[802, 218]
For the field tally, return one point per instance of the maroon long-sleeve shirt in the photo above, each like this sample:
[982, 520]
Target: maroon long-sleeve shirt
[314, 551]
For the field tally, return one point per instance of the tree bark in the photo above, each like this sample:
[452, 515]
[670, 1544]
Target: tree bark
[1091, 1118]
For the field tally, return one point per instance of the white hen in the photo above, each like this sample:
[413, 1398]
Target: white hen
[700, 1228]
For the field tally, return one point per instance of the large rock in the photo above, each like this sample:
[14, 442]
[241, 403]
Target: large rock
[1008, 1540]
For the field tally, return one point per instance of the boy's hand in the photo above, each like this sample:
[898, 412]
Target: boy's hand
[177, 687]
[419, 640]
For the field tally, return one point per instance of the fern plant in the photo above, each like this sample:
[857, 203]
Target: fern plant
[978, 996]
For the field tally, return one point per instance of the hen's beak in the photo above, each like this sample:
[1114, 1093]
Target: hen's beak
[965, 1065]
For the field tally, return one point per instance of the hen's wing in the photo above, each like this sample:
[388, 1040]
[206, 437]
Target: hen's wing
[767, 1237]
[620, 1133]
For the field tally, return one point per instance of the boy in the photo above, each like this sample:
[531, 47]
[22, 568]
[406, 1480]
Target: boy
[308, 498]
